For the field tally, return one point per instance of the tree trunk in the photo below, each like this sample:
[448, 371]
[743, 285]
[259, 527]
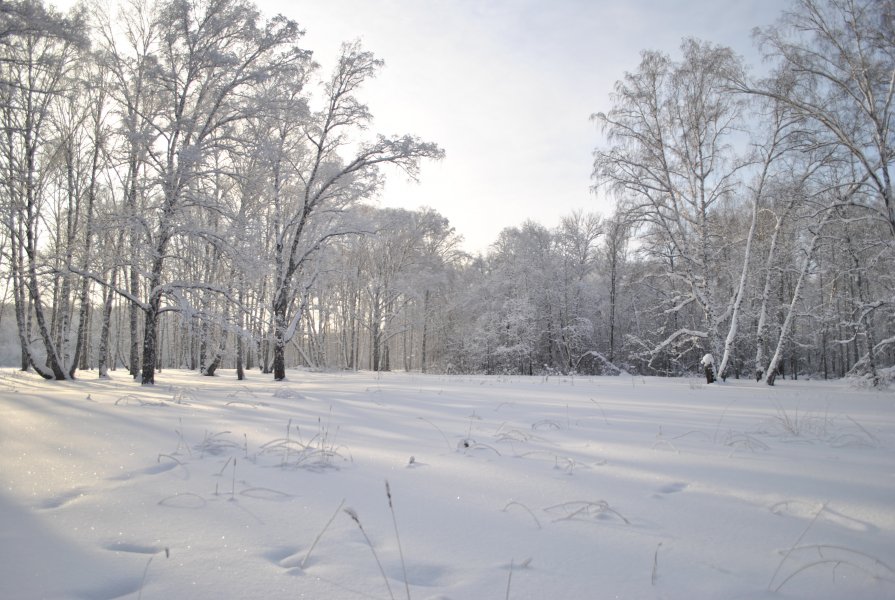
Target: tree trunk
[103, 351]
[786, 328]
[376, 333]
[53, 362]
[150, 322]
[424, 357]
[222, 345]
[240, 326]
[281, 304]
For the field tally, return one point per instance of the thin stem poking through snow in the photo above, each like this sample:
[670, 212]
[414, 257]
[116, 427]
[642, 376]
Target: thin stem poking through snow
[510, 578]
[353, 514]
[304, 561]
[796, 543]
[388, 492]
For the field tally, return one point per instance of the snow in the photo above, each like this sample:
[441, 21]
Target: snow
[519, 487]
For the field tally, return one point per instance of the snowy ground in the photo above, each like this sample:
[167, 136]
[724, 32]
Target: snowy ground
[502, 487]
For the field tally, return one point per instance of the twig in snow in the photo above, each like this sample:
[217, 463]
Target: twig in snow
[872, 437]
[146, 570]
[655, 564]
[605, 420]
[160, 456]
[581, 508]
[514, 503]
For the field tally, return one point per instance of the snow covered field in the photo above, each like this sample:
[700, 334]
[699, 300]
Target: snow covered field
[558, 488]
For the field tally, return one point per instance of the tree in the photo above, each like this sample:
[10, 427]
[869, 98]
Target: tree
[576, 241]
[211, 54]
[40, 50]
[615, 247]
[320, 183]
[670, 157]
[836, 71]
[128, 48]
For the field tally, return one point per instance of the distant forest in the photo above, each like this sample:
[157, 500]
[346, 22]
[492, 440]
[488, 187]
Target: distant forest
[183, 187]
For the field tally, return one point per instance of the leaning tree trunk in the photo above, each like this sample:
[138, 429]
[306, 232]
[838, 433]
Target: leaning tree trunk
[761, 371]
[222, 345]
[53, 361]
[786, 328]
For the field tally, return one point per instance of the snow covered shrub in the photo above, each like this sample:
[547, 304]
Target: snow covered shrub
[885, 378]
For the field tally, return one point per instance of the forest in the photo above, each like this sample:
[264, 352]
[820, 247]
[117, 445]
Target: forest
[184, 187]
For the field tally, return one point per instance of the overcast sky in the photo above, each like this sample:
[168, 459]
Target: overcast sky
[507, 88]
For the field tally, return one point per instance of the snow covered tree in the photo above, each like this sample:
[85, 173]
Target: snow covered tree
[210, 53]
[670, 156]
[40, 50]
[326, 176]
[403, 262]
[835, 70]
[614, 253]
[577, 245]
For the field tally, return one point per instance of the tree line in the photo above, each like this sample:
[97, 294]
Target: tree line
[184, 187]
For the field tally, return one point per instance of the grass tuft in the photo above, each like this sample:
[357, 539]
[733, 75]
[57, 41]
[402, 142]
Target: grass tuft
[583, 510]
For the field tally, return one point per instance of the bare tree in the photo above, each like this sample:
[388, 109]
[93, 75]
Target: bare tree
[670, 158]
[836, 71]
[324, 183]
[211, 52]
[40, 51]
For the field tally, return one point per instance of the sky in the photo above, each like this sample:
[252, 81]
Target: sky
[507, 88]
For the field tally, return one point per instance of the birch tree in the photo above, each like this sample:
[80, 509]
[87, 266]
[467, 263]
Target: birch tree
[836, 71]
[39, 58]
[836, 68]
[128, 45]
[670, 156]
[211, 53]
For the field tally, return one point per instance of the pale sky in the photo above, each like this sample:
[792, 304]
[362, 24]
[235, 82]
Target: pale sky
[507, 88]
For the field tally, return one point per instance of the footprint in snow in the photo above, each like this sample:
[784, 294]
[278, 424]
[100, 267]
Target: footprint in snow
[670, 488]
[163, 466]
[421, 574]
[132, 548]
[289, 558]
[62, 499]
[123, 588]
